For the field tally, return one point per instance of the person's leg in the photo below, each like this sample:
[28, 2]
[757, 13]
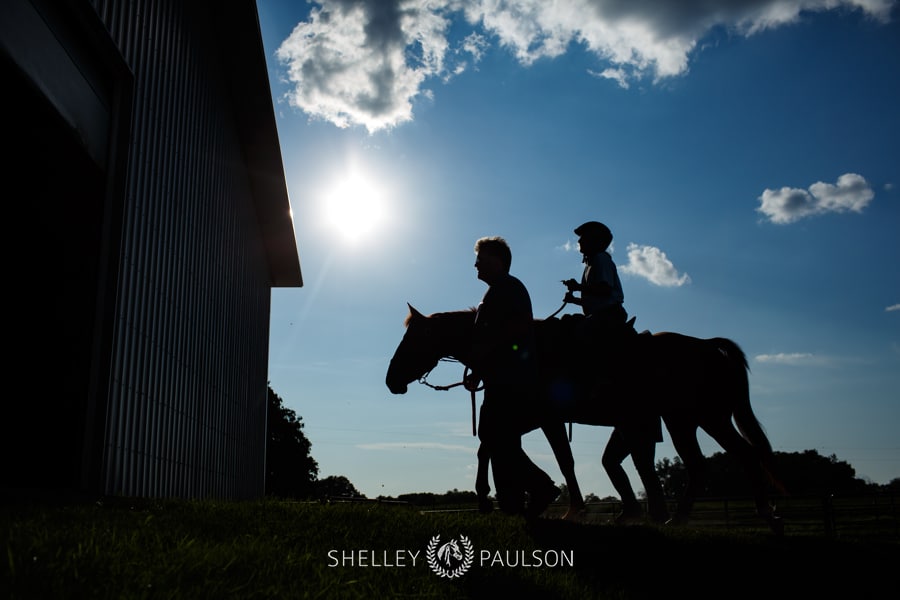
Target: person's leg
[502, 445]
[506, 465]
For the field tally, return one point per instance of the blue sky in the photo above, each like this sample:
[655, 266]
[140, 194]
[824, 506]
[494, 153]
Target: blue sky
[746, 159]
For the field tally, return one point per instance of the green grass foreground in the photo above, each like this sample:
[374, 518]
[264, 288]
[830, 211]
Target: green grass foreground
[271, 549]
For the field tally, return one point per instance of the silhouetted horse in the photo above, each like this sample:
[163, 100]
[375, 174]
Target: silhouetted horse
[689, 382]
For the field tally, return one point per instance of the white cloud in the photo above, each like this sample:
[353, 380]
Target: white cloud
[476, 45]
[892, 308]
[652, 264]
[787, 205]
[364, 62]
[791, 358]
[620, 76]
[799, 359]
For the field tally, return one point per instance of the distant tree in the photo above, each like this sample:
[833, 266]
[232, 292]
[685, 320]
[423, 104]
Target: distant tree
[456, 496]
[805, 472]
[672, 475]
[419, 498]
[809, 472]
[893, 485]
[336, 486]
[451, 497]
[291, 471]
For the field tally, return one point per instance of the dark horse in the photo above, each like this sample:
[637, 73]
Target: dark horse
[688, 382]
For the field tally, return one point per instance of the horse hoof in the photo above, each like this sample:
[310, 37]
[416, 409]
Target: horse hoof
[540, 500]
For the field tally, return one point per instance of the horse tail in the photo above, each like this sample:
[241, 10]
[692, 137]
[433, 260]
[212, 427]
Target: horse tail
[744, 418]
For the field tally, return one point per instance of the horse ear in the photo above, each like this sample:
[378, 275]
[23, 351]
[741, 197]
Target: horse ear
[413, 312]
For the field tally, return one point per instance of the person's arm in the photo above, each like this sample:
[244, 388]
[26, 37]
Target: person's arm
[591, 288]
[598, 288]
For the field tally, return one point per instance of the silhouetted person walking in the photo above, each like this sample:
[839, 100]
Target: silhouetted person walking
[504, 358]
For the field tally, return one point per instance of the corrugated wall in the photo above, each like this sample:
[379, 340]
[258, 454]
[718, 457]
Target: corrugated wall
[187, 402]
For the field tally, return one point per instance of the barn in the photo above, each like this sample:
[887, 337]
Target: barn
[147, 221]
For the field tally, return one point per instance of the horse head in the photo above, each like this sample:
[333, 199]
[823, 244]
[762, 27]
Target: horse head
[427, 340]
[450, 548]
[412, 359]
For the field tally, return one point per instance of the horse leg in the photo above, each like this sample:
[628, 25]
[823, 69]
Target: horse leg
[643, 454]
[555, 433]
[482, 486]
[684, 438]
[732, 442]
[617, 448]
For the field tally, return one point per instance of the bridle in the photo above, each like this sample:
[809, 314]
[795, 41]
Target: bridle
[443, 388]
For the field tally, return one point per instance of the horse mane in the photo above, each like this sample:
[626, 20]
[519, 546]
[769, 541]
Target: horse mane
[442, 315]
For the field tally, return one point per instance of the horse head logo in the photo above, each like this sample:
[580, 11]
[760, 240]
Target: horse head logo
[450, 559]
[447, 550]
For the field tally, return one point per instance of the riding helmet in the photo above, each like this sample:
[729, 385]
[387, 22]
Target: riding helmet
[595, 230]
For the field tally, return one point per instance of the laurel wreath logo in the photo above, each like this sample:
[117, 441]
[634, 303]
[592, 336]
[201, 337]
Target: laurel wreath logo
[441, 556]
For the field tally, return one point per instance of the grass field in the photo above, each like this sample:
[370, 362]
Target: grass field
[271, 549]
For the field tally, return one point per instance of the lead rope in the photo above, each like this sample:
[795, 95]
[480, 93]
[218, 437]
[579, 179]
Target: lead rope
[442, 388]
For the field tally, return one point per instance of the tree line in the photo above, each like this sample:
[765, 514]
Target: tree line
[292, 472]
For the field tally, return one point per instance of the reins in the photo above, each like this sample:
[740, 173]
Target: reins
[558, 310]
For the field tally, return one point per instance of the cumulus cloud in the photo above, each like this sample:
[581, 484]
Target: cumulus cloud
[652, 264]
[364, 62]
[787, 205]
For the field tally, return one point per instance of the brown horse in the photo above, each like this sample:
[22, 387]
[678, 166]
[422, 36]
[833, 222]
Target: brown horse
[687, 381]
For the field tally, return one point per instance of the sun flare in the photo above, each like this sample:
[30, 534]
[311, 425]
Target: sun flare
[355, 207]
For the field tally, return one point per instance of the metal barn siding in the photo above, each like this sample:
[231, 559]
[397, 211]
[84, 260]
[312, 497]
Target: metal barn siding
[202, 243]
[151, 197]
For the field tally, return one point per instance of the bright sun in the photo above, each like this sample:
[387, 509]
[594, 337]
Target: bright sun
[355, 207]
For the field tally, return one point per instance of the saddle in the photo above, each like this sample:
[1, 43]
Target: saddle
[589, 351]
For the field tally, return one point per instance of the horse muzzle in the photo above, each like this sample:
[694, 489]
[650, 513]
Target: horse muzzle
[396, 387]
[394, 383]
